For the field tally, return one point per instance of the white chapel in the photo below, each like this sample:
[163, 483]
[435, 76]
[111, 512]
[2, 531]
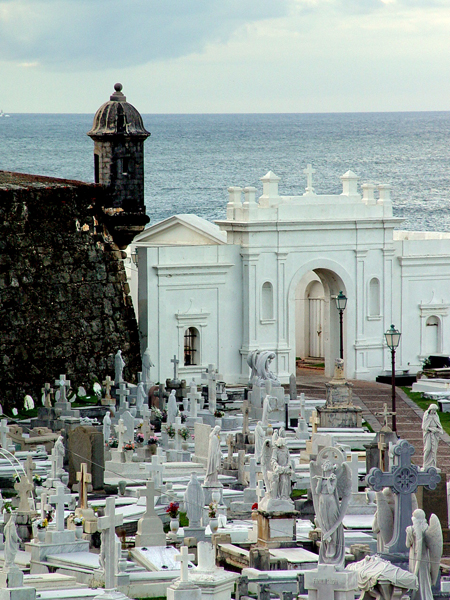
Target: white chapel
[267, 277]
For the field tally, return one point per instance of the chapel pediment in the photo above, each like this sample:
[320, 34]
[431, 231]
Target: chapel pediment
[182, 230]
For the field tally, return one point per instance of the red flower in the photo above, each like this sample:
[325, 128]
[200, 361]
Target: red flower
[255, 506]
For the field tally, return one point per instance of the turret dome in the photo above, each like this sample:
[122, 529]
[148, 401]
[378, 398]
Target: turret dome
[118, 117]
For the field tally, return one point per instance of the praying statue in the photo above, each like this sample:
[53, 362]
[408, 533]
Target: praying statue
[119, 364]
[331, 487]
[214, 461]
[147, 364]
[194, 501]
[12, 541]
[425, 551]
[432, 432]
[172, 408]
[259, 441]
[141, 396]
[59, 452]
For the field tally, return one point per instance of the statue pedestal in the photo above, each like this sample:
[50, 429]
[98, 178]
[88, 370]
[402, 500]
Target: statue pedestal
[276, 527]
[325, 583]
[340, 416]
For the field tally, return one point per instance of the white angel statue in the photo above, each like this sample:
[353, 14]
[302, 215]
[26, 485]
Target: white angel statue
[425, 543]
[277, 473]
[331, 486]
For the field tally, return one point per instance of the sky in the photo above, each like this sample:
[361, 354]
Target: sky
[225, 56]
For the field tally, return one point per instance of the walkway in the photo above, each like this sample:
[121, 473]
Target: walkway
[371, 396]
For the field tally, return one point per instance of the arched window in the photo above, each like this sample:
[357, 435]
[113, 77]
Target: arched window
[432, 335]
[191, 347]
[374, 298]
[267, 301]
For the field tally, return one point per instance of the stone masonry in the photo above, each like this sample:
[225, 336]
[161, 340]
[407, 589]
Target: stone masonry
[64, 300]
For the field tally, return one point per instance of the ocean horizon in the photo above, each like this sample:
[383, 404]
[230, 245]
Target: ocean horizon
[191, 159]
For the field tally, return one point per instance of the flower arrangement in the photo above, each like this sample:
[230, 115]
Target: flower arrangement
[113, 443]
[78, 521]
[170, 430]
[7, 507]
[218, 414]
[37, 479]
[173, 509]
[183, 417]
[156, 413]
[184, 433]
[212, 510]
[139, 438]
[152, 440]
[41, 523]
[129, 446]
[255, 506]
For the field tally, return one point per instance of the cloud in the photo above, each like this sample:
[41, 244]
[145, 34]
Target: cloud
[99, 34]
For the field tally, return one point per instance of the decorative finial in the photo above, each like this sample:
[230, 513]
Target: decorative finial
[118, 96]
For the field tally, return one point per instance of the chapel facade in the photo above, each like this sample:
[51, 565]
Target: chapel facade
[267, 276]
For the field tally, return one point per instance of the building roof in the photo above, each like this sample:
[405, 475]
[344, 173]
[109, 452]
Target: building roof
[182, 230]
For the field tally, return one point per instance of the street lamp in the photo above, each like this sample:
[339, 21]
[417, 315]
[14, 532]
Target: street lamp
[392, 336]
[341, 303]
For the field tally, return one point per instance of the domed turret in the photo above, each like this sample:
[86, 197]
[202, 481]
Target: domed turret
[119, 135]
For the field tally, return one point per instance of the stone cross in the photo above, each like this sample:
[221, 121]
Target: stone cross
[107, 525]
[123, 392]
[120, 430]
[184, 558]
[385, 414]
[108, 383]
[4, 432]
[44, 497]
[211, 376]
[29, 468]
[62, 384]
[149, 494]
[23, 486]
[175, 362]
[46, 392]
[84, 478]
[354, 466]
[314, 420]
[403, 479]
[155, 472]
[309, 172]
[252, 473]
[246, 414]
[193, 397]
[59, 499]
[146, 430]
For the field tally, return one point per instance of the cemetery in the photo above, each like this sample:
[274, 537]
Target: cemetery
[181, 480]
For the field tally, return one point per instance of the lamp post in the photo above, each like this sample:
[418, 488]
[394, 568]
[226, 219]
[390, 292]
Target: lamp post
[341, 303]
[392, 336]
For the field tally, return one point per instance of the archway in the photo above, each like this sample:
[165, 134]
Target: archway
[314, 324]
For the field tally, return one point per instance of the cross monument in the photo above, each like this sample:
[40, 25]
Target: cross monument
[107, 525]
[309, 172]
[184, 559]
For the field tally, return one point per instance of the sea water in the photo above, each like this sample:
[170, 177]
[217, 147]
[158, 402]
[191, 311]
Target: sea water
[191, 160]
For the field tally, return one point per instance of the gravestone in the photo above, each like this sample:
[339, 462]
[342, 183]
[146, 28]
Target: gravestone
[85, 444]
[150, 528]
[201, 439]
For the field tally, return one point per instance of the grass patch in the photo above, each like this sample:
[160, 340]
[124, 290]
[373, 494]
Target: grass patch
[423, 403]
[184, 522]
[296, 494]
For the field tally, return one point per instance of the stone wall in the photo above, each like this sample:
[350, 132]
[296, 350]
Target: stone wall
[64, 300]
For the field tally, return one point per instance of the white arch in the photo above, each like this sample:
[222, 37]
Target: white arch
[335, 278]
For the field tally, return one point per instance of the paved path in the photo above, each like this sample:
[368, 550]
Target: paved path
[371, 396]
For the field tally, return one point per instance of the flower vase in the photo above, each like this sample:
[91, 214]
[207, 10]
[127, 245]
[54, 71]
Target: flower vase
[78, 532]
[215, 496]
[174, 525]
[184, 445]
[214, 524]
[128, 456]
[171, 444]
[41, 534]
[152, 449]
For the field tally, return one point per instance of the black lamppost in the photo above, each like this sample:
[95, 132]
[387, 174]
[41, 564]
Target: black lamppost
[392, 336]
[341, 303]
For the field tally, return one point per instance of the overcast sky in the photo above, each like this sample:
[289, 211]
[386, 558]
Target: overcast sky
[200, 56]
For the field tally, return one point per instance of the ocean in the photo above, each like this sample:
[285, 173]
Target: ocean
[191, 160]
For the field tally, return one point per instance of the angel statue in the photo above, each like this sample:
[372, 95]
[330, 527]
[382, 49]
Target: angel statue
[277, 472]
[259, 362]
[425, 545]
[331, 486]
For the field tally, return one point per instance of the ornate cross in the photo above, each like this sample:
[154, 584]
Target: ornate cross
[184, 559]
[62, 384]
[108, 383]
[23, 486]
[84, 478]
[404, 478]
[175, 362]
[385, 414]
[309, 172]
[108, 524]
